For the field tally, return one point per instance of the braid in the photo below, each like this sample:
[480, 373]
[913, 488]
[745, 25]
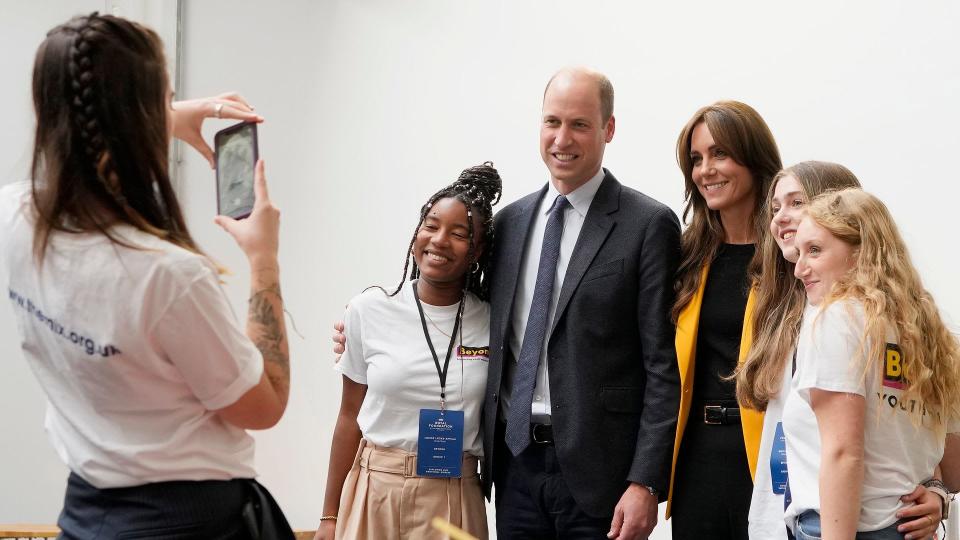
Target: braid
[84, 108]
[479, 188]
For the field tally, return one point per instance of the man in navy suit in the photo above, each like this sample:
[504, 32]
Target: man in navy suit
[583, 387]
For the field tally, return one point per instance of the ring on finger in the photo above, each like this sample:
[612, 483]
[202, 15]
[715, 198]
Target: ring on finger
[930, 519]
[216, 110]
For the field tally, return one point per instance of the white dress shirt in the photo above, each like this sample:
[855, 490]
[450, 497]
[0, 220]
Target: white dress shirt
[573, 217]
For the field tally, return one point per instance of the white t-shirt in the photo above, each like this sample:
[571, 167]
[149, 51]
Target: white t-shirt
[766, 503]
[387, 351]
[134, 348]
[897, 454]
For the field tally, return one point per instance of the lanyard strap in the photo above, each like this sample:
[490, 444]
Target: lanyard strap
[453, 336]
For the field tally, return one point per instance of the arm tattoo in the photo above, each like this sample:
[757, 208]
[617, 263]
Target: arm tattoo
[270, 337]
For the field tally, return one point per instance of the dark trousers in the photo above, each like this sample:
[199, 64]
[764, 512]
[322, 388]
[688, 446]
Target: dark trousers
[712, 486]
[208, 510]
[532, 499]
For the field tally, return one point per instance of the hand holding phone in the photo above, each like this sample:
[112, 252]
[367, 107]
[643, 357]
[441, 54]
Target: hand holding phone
[258, 236]
[236, 155]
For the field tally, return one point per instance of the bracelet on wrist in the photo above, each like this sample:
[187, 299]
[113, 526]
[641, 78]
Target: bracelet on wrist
[934, 485]
[328, 518]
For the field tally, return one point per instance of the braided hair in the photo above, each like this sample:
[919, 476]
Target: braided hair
[479, 189]
[101, 145]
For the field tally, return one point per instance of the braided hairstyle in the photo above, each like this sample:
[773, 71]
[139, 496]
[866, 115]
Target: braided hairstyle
[479, 189]
[101, 144]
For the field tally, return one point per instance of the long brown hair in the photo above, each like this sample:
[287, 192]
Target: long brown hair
[741, 131]
[780, 296]
[100, 149]
[889, 288]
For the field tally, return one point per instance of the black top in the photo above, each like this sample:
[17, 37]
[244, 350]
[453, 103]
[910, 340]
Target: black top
[721, 324]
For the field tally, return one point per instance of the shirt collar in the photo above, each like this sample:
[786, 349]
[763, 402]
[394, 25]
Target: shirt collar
[580, 198]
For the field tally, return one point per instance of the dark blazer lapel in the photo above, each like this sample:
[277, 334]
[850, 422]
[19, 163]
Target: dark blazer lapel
[516, 239]
[596, 227]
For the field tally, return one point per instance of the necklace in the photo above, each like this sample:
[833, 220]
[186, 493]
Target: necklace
[435, 325]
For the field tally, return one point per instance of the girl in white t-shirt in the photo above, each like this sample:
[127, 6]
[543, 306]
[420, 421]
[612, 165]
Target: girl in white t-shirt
[877, 378]
[763, 378]
[416, 359]
[150, 379]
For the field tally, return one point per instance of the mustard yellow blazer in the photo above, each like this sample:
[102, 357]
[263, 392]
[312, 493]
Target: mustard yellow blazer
[686, 343]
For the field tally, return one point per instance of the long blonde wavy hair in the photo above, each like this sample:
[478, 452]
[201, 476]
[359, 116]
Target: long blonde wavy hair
[779, 296]
[885, 282]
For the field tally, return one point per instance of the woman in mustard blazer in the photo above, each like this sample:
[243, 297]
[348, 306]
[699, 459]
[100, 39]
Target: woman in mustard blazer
[728, 157]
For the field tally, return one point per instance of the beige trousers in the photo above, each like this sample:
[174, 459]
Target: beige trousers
[383, 498]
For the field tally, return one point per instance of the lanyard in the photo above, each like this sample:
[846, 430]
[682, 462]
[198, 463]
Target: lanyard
[436, 360]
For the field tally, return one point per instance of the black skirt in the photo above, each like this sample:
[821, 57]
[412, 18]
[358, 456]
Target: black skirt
[238, 509]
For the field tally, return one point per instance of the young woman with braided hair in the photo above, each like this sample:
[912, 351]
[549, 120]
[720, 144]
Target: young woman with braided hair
[401, 348]
[150, 379]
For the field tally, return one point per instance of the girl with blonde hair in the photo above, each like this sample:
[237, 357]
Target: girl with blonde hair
[763, 377]
[877, 376]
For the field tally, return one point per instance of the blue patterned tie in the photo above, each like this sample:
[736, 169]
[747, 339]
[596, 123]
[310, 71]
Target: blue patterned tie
[525, 375]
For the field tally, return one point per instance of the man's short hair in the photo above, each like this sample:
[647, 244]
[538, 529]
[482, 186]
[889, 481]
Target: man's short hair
[604, 86]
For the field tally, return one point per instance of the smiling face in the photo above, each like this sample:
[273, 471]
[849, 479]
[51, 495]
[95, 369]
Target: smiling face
[573, 134]
[442, 245]
[823, 259]
[788, 206]
[726, 185]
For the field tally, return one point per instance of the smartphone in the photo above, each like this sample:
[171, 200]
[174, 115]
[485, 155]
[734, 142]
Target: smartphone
[236, 153]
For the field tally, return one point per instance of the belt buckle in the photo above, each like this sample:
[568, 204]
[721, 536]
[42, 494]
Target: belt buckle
[533, 434]
[409, 465]
[717, 418]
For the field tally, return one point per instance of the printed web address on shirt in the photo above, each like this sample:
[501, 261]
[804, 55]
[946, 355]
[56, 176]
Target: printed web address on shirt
[86, 344]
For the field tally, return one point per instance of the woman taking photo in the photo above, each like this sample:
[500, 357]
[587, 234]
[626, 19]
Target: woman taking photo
[728, 158]
[416, 358]
[763, 377]
[877, 378]
[150, 379]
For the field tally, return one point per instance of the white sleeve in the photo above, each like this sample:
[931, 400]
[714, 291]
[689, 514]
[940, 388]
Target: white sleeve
[835, 356]
[12, 201]
[200, 335]
[353, 363]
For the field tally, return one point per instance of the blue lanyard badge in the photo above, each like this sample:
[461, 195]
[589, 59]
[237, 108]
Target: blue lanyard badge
[778, 461]
[440, 443]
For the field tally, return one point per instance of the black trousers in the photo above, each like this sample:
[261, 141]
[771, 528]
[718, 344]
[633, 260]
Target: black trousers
[712, 486]
[208, 510]
[533, 501]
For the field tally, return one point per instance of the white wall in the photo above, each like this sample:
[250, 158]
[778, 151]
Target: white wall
[372, 105]
[32, 478]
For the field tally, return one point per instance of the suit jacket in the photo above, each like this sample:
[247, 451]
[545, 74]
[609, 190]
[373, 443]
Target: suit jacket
[688, 323]
[614, 384]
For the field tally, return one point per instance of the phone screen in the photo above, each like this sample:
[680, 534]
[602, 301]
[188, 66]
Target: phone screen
[236, 159]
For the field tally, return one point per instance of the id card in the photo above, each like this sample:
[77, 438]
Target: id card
[440, 443]
[778, 461]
